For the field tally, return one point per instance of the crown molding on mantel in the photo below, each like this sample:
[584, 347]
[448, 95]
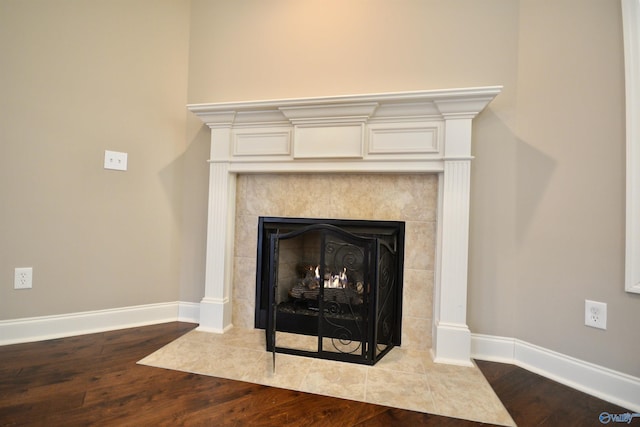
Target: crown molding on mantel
[404, 132]
[433, 104]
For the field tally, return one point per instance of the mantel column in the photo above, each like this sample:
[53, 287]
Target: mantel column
[215, 307]
[451, 335]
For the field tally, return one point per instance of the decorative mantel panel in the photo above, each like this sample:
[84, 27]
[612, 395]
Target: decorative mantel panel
[407, 132]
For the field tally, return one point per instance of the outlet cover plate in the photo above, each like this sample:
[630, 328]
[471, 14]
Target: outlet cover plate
[115, 160]
[595, 314]
[23, 278]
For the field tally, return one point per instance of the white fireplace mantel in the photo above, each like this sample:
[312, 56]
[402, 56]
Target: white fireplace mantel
[405, 132]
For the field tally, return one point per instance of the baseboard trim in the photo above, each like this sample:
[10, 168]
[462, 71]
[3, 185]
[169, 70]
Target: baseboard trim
[603, 383]
[189, 312]
[31, 329]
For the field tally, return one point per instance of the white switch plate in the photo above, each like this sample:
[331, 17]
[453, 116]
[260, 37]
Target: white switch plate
[115, 160]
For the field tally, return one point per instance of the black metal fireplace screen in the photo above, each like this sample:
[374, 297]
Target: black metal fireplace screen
[330, 288]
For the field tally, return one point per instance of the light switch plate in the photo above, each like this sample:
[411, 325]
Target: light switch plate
[115, 160]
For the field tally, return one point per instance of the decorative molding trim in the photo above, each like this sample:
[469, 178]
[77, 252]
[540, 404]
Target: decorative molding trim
[452, 101]
[215, 307]
[335, 166]
[451, 344]
[405, 138]
[335, 141]
[348, 126]
[631, 29]
[603, 383]
[451, 335]
[269, 142]
[65, 325]
[329, 114]
[215, 314]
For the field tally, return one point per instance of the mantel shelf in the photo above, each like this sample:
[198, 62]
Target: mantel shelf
[467, 102]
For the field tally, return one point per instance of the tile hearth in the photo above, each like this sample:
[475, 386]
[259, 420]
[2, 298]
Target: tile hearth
[406, 379]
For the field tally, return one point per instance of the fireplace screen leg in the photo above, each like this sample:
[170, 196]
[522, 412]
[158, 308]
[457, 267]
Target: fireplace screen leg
[274, 245]
[273, 336]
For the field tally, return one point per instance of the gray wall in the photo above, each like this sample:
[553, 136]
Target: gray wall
[79, 78]
[547, 219]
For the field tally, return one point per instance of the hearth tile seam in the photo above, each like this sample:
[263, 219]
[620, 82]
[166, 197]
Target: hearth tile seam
[435, 404]
[366, 383]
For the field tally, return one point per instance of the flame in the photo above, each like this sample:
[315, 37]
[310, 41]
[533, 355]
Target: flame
[339, 280]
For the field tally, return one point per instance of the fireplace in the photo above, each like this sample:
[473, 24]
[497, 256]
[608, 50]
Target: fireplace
[422, 132]
[330, 288]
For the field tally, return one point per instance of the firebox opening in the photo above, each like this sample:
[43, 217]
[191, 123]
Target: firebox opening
[330, 288]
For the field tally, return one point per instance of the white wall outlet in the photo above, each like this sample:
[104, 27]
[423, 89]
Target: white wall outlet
[595, 314]
[115, 160]
[23, 278]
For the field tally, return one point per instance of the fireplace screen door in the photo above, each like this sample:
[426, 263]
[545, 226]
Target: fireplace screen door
[332, 294]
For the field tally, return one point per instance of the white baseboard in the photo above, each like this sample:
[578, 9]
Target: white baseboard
[189, 312]
[65, 325]
[603, 383]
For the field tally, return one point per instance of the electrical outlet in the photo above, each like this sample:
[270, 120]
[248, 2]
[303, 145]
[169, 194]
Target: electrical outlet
[115, 160]
[595, 314]
[23, 278]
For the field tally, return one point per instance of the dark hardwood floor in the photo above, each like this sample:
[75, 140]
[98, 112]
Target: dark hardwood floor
[94, 380]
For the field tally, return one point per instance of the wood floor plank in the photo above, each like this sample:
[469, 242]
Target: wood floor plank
[35, 408]
[306, 409]
[399, 417]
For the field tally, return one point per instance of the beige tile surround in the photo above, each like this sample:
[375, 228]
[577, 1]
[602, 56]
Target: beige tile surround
[404, 378]
[395, 197]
